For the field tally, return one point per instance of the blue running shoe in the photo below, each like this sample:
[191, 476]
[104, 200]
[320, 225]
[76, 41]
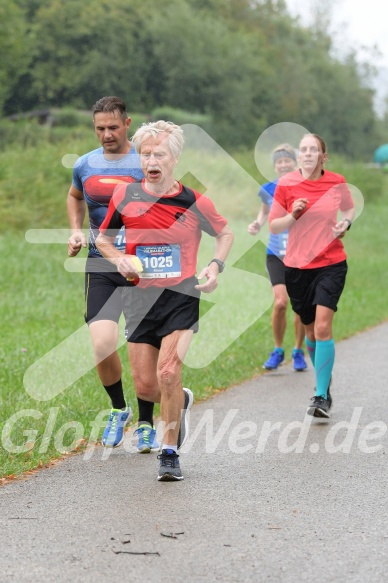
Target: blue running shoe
[276, 358]
[298, 359]
[114, 431]
[147, 438]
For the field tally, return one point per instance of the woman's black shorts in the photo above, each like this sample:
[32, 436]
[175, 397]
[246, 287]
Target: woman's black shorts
[308, 288]
[276, 270]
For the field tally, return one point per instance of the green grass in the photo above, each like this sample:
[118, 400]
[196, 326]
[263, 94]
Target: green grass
[42, 307]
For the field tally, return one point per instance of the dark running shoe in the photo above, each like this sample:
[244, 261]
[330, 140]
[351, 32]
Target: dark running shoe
[185, 418]
[320, 407]
[323, 409]
[169, 470]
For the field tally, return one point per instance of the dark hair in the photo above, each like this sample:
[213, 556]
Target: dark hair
[110, 105]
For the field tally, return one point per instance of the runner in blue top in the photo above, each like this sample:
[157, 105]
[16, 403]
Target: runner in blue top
[284, 160]
[96, 175]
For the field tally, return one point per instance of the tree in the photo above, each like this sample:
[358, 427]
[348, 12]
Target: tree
[245, 63]
[14, 48]
[83, 50]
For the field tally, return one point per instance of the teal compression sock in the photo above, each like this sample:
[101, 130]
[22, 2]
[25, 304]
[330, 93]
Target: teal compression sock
[311, 349]
[324, 362]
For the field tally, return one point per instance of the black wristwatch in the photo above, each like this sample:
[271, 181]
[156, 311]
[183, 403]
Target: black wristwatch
[221, 264]
[349, 223]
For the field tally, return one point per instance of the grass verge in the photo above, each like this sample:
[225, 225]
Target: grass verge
[42, 306]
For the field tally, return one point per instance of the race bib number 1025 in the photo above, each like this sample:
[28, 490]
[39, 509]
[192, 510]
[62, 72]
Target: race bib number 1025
[159, 260]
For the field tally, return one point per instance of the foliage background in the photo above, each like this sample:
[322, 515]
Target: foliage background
[243, 65]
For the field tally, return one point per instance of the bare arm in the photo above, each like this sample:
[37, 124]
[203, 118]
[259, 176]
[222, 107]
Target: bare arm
[282, 224]
[76, 208]
[126, 264]
[344, 224]
[255, 227]
[223, 244]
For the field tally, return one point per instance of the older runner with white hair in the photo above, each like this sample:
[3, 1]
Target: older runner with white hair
[163, 221]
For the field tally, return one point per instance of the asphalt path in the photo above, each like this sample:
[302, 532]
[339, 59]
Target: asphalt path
[266, 496]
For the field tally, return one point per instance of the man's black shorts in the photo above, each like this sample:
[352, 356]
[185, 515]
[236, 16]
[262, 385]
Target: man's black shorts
[103, 299]
[153, 313]
[308, 288]
[276, 270]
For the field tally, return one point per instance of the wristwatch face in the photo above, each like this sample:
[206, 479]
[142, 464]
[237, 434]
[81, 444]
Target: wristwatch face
[221, 264]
